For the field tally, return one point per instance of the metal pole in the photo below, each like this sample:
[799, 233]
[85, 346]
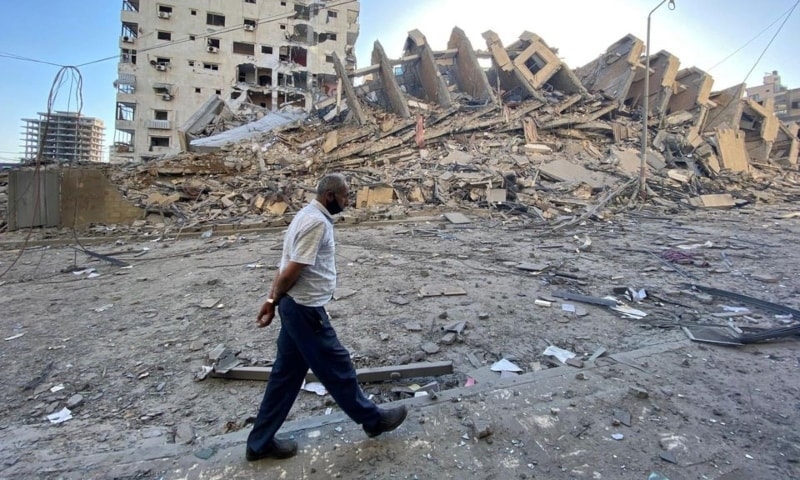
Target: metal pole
[646, 111]
[646, 105]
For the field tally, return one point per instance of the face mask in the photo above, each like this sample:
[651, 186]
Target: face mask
[333, 206]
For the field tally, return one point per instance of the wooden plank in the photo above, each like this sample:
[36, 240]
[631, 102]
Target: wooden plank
[364, 375]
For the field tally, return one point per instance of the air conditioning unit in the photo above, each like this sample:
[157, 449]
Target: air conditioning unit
[212, 49]
[161, 66]
[127, 39]
[249, 28]
[166, 97]
[164, 14]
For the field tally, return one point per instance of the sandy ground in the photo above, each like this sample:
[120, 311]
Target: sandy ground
[122, 349]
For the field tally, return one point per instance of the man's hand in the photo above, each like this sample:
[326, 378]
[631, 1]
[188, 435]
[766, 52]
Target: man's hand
[266, 314]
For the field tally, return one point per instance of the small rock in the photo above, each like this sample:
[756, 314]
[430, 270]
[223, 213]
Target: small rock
[581, 376]
[448, 338]
[638, 392]
[555, 411]
[430, 347]
[184, 433]
[575, 362]
[74, 401]
[443, 315]
[481, 429]
[617, 436]
[483, 316]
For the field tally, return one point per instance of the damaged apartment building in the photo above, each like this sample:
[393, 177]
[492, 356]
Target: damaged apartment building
[260, 55]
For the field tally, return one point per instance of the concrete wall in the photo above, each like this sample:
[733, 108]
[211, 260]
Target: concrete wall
[88, 197]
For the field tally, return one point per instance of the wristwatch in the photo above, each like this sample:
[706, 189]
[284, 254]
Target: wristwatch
[271, 300]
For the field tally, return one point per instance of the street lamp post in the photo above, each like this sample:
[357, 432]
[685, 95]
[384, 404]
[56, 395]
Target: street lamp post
[646, 112]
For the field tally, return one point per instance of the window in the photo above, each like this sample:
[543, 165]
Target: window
[164, 35]
[332, 14]
[241, 48]
[164, 11]
[197, 90]
[213, 42]
[218, 91]
[266, 49]
[193, 12]
[162, 61]
[327, 36]
[249, 1]
[215, 19]
[159, 142]
[211, 66]
[192, 38]
[250, 24]
[128, 56]
[191, 63]
[329, 58]
[160, 115]
[283, 4]
[283, 26]
[795, 104]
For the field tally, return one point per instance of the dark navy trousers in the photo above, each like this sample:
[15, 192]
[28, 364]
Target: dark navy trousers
[307, 340]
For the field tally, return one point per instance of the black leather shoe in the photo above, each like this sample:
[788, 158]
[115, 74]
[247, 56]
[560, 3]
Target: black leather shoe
[390, 419]
[276, 449]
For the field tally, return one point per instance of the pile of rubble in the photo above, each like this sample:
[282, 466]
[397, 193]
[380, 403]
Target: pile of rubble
[528, 136]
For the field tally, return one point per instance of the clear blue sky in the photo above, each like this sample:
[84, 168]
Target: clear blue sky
[699, 32]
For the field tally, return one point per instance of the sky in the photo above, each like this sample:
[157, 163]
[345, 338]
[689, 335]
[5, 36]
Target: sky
[701, 33]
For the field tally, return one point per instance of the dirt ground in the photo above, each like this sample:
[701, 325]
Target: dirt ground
[122, 349]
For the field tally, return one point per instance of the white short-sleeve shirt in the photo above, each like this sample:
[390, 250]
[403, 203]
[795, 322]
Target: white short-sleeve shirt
[309, 240]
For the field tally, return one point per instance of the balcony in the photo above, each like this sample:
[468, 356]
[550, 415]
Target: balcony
[159, 124]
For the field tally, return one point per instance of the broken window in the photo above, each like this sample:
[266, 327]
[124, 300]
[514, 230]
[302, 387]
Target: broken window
[159, 142]
[164, 35]
[162, 88]
[126, 111]
[211, 66]
[302, 12]
[302, 34]
[160, 115]
[266, 49]
[261, 99]
[352, 17]
[130, 5]
[300, 79]
[246, 73]
[128, 56]
[324, 37]
[293, 54]
[241, 48]
[215, 19]
[130, 31]
[264, 77]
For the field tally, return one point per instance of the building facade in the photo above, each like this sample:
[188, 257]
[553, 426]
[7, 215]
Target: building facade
[786, 100]
[63, 137]
[176, 54]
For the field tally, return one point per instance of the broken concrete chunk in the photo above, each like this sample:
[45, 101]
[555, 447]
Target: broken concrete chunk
[430, 348]
[638, 392]
[448, 338]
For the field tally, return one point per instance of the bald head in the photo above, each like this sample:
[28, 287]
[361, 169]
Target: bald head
[332, 192]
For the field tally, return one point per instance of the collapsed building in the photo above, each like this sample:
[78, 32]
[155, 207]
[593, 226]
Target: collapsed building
[511, 127]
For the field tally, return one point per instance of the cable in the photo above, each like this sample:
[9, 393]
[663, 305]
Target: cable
[58, 82]
[787, 12]
[771, 40]
[13, 56]
[720, 110]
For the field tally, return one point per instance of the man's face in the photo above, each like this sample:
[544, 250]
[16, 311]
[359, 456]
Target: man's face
[335, 202]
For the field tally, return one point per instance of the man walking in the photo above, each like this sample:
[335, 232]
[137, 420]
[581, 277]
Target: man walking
[304, 284]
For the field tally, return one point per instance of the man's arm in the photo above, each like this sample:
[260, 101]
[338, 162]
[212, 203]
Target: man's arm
[283, 282]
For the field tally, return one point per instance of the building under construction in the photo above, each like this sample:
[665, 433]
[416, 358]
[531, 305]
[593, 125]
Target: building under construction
[63, 137]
